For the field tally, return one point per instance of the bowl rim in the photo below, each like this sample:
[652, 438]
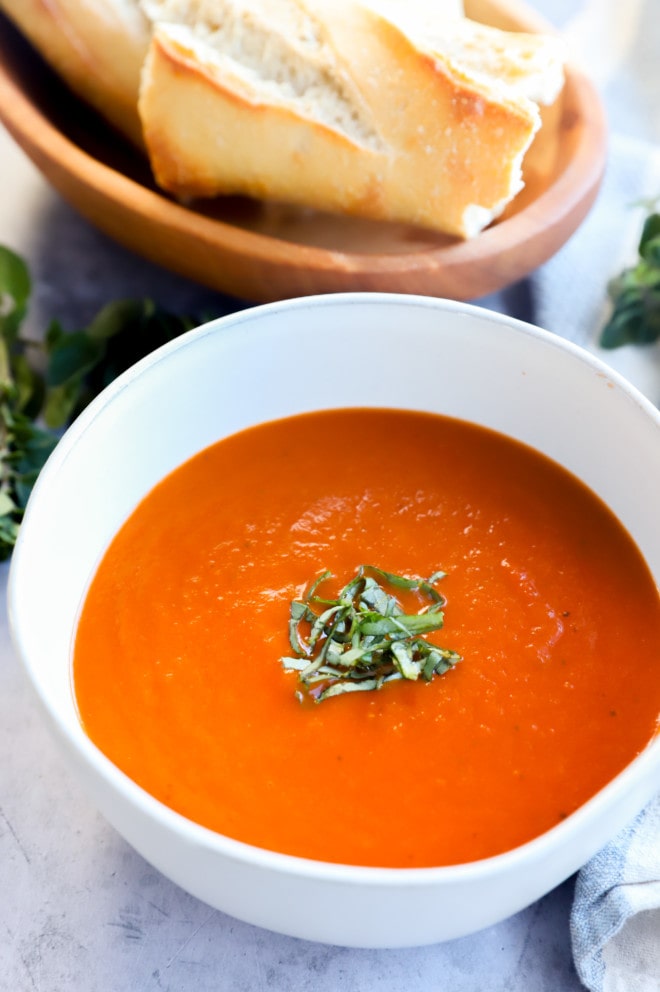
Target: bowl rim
[236, 850]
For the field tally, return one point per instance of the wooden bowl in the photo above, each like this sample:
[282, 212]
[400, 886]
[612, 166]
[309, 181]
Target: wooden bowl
[262, 252]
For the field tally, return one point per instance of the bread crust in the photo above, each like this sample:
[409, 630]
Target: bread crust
[97, 47]
[378, 108]
[446, 152]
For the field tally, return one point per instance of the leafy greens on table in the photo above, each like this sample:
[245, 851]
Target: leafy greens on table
[635, 294]
[36, 405]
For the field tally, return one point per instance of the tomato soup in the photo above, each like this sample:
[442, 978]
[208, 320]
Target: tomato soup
[555, 615]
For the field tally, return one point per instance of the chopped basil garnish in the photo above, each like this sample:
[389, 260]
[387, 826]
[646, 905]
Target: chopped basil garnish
[364, 638]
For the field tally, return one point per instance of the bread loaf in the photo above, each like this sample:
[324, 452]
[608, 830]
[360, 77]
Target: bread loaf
[96, 46]
[386, 109]
[331, 104]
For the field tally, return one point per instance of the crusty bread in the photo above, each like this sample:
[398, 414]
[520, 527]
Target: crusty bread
[343, 111]
[532, 65]
[96, 46]
[402, 110]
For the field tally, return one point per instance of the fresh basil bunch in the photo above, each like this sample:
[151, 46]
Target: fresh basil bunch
[36, 405]
[635, 294]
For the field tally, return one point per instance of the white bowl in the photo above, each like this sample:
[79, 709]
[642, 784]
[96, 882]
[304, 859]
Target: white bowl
[431, 355]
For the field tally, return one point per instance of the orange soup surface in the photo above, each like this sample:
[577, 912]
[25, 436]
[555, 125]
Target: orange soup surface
[177, 669]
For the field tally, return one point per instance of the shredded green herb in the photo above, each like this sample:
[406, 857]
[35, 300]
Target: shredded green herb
[363, 639]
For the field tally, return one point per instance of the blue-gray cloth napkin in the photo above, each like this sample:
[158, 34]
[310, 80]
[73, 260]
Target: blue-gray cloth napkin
[615, 923]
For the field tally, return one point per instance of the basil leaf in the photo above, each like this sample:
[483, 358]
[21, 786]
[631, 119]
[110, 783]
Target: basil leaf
[376, 625]
[635, 295]
[650, 238]
[364, 638]
[71, 367]
[14, 293]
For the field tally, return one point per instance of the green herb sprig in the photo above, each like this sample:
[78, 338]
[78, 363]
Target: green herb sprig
[45, 384]
[635, 294]
[363, 639]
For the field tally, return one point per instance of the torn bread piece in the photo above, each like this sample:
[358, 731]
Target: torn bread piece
[337, 109]
[530, 65]
[96, 46]
[275, 98]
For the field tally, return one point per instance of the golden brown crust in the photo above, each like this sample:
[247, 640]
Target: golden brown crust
[445, 144]
[205, 138]
[399, 125]
[97, 48]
